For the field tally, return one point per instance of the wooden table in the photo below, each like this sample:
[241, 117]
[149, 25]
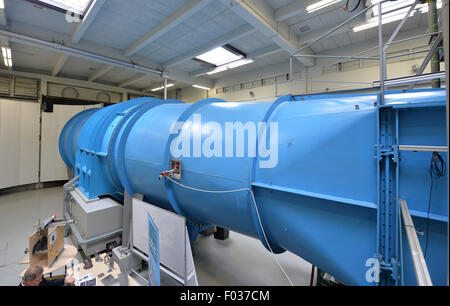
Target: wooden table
[101, 271]
[63, 259]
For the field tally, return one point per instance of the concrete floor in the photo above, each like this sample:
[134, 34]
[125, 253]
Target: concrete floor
[236, 261]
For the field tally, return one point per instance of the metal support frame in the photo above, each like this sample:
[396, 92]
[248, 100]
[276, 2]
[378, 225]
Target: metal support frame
[400, 25]
[420, 265]
[381, 46]
[410, 79]
[387, 205]
[60, 48]
[422, 148]
[165, 88]
[430, 54]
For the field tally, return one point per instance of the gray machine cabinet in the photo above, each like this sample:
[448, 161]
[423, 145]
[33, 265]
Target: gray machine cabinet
[93, 218]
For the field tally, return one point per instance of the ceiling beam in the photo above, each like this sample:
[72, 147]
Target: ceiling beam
[104, 69]
[181, 15]
[71, 82]
[133, 80]
[47, 39]
[62, 59]
[261, 16]
[90, 15]
[307, 37]
[290, 10]
[225, 39]
[272, 49]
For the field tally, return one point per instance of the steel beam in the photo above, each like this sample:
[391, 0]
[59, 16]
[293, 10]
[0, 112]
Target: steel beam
[261, 16]
[423, 148]
[19, 38]
[133, 80]
[427, 58]
[62, 58]
[400, 25]
[90, 15]
[411, 79]
[104, 69]
[331, 31]
[290, 10]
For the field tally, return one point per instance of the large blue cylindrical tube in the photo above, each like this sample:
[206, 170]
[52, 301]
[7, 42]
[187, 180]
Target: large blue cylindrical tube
[318, 189]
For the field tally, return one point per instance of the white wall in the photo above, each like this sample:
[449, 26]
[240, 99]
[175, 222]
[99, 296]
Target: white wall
[19, 142]
[52, 166]
[189, 94]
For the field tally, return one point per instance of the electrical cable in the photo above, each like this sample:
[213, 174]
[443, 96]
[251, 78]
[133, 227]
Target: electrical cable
[354, 9]
[437, 170]
[257, 213]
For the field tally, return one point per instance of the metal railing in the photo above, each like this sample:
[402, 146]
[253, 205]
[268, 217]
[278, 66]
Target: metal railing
[382, 58]
[420, 266]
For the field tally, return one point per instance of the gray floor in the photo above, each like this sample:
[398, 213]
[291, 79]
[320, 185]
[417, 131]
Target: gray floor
[239, 260]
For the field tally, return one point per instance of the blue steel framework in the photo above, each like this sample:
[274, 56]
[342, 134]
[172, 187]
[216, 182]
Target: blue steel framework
[389, 237]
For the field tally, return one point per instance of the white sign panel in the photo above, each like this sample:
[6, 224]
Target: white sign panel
[172, 235]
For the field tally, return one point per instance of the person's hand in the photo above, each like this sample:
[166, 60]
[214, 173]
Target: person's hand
[69, 280]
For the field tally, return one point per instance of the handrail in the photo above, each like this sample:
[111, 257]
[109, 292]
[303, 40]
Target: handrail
[420, 265]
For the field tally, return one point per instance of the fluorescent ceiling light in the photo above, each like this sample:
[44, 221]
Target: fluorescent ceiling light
[219, 56]
[218, 69]
[162, 87]
[201, 87]
[2, 4]
[232, 65]
[239, 63]
[6, 52]
[76, 6]
[320, 5]
[394, 15]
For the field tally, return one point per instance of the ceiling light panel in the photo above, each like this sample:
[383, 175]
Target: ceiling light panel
[219, 56]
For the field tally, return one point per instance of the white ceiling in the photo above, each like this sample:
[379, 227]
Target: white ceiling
[119, 24]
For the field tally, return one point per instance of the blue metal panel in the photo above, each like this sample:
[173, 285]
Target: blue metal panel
[69, 135]
[332, 197]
